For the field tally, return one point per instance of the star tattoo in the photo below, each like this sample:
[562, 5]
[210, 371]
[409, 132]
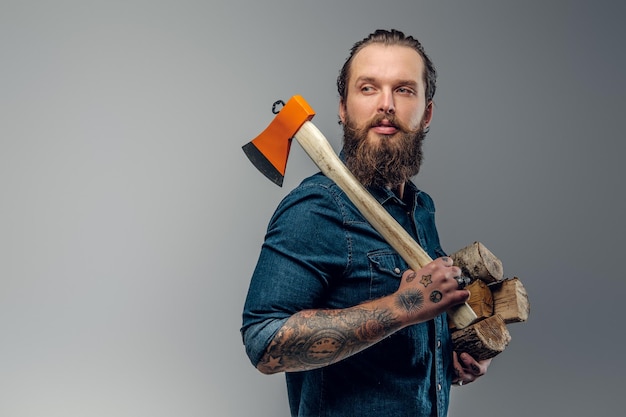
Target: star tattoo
[274, 363]
[426, 279]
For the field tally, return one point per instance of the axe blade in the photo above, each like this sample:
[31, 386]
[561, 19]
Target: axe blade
[269, 151]
[263, 164]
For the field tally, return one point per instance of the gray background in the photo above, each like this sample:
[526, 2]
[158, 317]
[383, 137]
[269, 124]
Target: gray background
[130, 219]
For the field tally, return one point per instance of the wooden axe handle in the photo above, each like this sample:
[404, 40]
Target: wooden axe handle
[323, 155]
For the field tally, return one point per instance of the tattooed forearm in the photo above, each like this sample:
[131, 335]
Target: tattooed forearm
[311, 339]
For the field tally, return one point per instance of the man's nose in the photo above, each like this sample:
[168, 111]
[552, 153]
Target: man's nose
[386, 104]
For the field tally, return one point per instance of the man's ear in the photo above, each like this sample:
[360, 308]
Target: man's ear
[342, 111]
[428, 115]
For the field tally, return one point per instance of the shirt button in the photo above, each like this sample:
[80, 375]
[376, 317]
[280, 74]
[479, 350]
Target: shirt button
[397, 270]
[438, 387]
[438, 343]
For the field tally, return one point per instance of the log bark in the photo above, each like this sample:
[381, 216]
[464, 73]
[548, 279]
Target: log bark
[484, 339]
[477, 262]
[510, 300]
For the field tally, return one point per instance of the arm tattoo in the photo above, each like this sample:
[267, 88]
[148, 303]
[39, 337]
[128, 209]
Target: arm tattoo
[311, 339]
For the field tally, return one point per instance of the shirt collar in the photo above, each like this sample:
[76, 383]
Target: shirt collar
[384, 195]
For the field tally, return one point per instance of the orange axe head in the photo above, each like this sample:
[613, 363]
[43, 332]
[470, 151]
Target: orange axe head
[269, 151]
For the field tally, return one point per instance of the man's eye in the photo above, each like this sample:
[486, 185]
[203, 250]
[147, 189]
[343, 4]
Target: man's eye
[404, 90]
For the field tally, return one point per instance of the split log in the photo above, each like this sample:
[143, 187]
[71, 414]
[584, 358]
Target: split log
[510, 300]
[484, 339]
[477, 262]
[481, 299]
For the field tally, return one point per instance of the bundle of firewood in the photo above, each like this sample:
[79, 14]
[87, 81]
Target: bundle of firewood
[497, 302]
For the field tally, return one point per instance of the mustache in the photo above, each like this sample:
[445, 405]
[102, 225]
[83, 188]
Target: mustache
[378, 119]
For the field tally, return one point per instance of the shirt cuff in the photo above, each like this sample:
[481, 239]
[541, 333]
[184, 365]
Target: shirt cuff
[257, 337]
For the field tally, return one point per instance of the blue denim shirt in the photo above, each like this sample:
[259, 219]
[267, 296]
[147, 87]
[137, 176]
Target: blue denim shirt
[319, 252]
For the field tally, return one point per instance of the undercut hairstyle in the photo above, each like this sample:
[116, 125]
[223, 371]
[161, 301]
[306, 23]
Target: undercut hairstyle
[389, 37]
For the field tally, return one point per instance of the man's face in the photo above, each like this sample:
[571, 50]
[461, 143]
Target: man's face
[385, 114]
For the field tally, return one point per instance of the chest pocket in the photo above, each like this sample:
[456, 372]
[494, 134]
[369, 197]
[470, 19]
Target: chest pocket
[386, 268]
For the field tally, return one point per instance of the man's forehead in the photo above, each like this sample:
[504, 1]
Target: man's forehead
[387, 60]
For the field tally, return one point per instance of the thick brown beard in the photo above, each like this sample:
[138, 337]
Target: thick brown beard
[392, 161]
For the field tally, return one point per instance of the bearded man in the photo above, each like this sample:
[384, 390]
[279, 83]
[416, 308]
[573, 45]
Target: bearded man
[330, 303]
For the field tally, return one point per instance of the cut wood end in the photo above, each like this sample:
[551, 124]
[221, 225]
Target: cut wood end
[510, 300]
[478, 262]
[492, 263]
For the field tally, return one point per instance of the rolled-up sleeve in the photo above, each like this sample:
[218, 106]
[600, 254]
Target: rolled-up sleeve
[256, 337]
[304, 247]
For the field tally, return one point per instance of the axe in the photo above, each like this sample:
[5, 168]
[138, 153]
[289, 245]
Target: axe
[269, 151]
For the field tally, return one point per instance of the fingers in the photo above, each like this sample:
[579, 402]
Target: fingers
[441, 275]
[467, 369]
[452, 276]
[445, 265]
[448, 263]
[457, 274]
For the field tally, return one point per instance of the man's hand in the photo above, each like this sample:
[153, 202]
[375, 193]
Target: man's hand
[428, 292]
[467, 369]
